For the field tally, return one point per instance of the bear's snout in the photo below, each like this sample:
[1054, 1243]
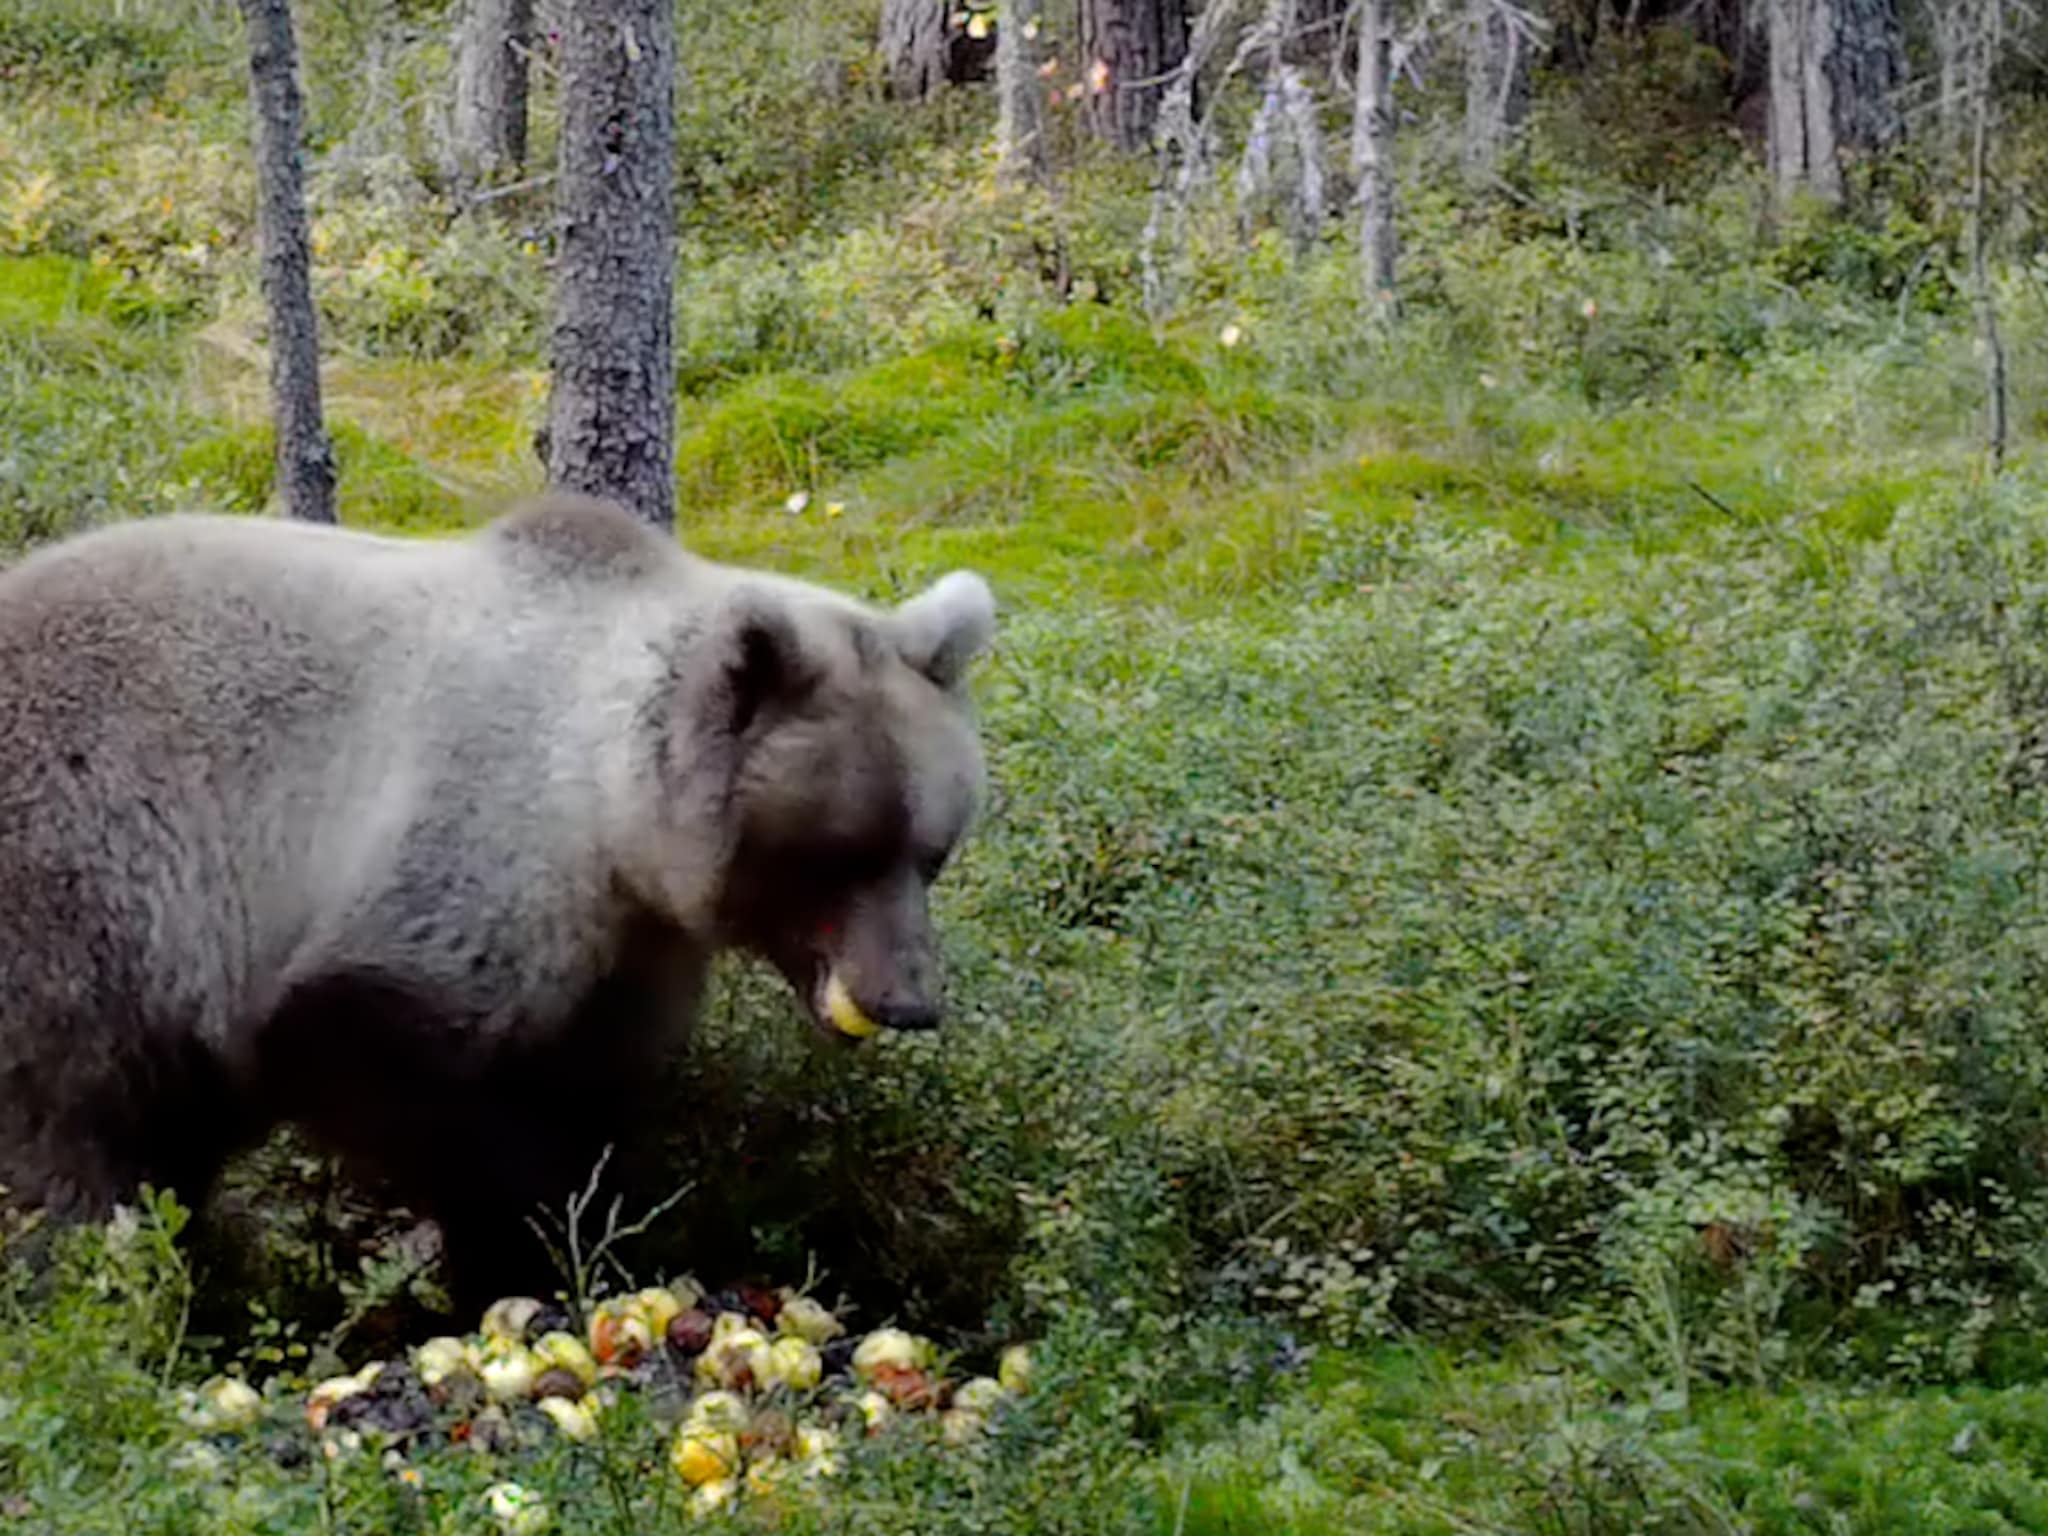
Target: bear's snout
[850, 1012]
[906, 1013]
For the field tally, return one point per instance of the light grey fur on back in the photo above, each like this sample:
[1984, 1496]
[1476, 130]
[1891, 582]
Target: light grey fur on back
[239, 755]
[404, 695]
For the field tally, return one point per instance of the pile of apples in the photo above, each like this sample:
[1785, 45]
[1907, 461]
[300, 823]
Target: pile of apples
[762, 1389]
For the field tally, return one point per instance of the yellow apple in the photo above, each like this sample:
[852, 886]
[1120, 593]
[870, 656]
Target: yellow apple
[577, 1420]
[764, 1475]
[889, 1347]
[509, 1317]
[803, 1318]
[225, 1402]
[714, 1495]
[1014, 1370]
[717, 1411]
[875, 1410]
[979, 1395]
[817, 1451]
[518, 1512]
[335, 1389]
[738, 1361]
[509, 1373]
[703, 1456]
[796, 1364]
[438, 1359]
[564, 1351]
[845, 1013]
[619, 1334]
[959, 1425]
[659, 1305]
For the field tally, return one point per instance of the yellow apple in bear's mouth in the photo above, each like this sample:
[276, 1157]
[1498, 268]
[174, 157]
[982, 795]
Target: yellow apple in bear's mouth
[844, 1013]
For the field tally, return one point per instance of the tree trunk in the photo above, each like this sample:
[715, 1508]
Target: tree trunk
[1020, 129]
[305, 457]
[914, 47]
[491, 45]
[1834, 67]
[1496, 88]
[1952, 33]
[1787, 137]
[1129, 47]
[1823, 168]
[1372, 154]
[1866, 67]
[1282, 168]
[1987, 32]
[611, 419]
[923, 49]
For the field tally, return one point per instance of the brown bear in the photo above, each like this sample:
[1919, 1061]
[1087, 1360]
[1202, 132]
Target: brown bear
[425, 845]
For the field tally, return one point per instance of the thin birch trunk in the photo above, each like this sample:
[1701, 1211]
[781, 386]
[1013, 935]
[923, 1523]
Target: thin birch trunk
[1020, 130]
[1372, 154]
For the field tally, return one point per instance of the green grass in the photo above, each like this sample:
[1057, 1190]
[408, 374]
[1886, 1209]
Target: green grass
[1419, 1440]
[1098, 459]
[49, 291]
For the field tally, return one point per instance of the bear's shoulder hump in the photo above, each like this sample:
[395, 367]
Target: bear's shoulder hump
[581, 537]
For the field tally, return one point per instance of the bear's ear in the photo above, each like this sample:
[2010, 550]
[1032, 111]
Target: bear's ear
[946, 626]
[763, 658]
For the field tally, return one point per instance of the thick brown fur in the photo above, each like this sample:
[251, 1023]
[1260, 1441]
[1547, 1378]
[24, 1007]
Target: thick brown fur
[425, 846]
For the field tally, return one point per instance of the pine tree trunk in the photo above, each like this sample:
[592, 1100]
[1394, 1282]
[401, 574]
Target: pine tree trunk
[1834, 68]
[1817, 96]
[611, 419]
[1128, 47]
[1951, 49]
[914, 47]
[1372, 154]
[1866, 67]
[1787, 21]
[1020, 129]
[1496, 88]
[305, 457]
[491, 45]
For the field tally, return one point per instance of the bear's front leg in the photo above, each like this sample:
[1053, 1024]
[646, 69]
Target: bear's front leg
[490, 1249]
[529, 1139]
[82, 1131]
[487, 1127]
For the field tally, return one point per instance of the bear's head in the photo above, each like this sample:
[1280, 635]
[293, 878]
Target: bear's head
[854, 769]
